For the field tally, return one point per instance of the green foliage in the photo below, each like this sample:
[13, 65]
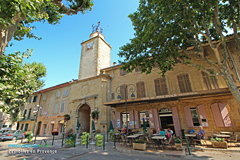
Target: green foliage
[217, 139]
[18, 80]
[139, 141]
[165, 29]
[95, 114]
[177, 140]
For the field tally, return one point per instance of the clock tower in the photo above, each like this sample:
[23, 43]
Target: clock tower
[95, 54]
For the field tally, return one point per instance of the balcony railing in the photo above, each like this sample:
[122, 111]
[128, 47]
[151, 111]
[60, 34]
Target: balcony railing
[31, 118]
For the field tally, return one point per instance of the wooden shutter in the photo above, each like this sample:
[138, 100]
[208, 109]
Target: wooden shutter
[113, 123]
[56, 108]
[151, 118]
[217, 115]
[225, 116]
[131, 119]
[206, 81]
[188, 116]
[181, 83]
[140, 89]
[187, 83]
[118, 120]
[62, 107]
[41, 111]
[157, 87]
[123, 91]
[176, 122]
[156, 119]
[239, 111]
[58, 93]
[214, 82]
[136, 118]
[202, 115]
[163, 86]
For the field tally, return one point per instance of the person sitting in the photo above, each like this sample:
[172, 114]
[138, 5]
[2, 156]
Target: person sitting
[125, 131]
[158, 130]
[162, 132]
[201, 133]
[191, 130]
[170, 132]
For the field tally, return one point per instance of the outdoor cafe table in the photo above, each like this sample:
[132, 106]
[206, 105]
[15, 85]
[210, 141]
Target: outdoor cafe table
[159, 139]
[133, 136]
[190, 137]
[227, 133]
[156, 134]
[221, 136]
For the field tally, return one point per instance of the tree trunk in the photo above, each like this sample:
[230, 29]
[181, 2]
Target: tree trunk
[230, 83]
[6, 35]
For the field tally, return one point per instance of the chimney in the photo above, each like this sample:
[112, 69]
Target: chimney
[114, 63]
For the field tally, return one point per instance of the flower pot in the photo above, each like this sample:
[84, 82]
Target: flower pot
[139, 146]
[178, 146]
[220, 145]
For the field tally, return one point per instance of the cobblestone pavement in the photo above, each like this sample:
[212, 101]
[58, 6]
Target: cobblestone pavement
[110, 152]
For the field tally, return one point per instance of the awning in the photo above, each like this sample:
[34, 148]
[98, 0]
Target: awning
[52, 122]
[62, 121]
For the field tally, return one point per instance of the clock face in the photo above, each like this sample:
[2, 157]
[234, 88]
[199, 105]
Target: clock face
[90, 45]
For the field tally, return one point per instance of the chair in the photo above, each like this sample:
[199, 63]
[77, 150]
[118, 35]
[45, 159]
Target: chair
[168, 142]
[83, 140]
[83, 133]
[149, 141]
[99, 141]
[124, 141]
[233, 138]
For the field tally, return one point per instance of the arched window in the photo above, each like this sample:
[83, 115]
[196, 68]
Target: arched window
[26, 127]
[140, 89]
[184, 83]
[160, 86]
[210, 81]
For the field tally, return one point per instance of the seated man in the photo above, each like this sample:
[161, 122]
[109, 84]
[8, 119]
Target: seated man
[201, 133]
[162, 132]
[191, 130]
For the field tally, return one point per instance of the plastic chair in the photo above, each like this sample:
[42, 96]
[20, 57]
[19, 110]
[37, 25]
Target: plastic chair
[99, 141]
[83, 140]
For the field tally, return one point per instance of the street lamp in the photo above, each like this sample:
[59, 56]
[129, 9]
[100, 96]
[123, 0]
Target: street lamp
[124, 89]
[35, 112]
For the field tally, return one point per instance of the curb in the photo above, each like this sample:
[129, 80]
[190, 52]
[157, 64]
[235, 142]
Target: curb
[212, 149]
[164, 155]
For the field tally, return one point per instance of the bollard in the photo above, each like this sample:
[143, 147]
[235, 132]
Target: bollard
[114, 140]
[186, 142]
[53, 139]
[62, 139]
[104, 142]
[87, 142]
[35, 138]
[75, 140]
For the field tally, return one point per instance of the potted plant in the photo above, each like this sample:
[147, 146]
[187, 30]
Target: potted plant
[66, 117]
[219, 143]
[95, 115]
[70, 137]
[178, 143]
[139, 144]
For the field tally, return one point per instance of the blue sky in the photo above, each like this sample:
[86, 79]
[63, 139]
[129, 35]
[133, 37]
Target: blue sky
[60, 49]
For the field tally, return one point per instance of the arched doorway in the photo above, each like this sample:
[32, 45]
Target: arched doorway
[84, 118]
[39, 127]
[166, 118]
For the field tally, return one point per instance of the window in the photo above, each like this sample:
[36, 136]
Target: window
[58, 94]
[41, 111]
[144, 115]
[35, 99]
[56, 108]
[123, 92]
[24, 114]
[26, 127]
[44, 97]
[65, 93]
[195, 117]
[184, 83]
[30, 100]
[210, 81]
[137, 69]
[123, 72]
[22, 127]
[140, 89]
[29, 113]
[113, 96]
[160, 86]
[124, 119]
[62, 107]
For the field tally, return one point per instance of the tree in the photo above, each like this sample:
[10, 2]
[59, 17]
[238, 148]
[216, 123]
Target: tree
[166, 30]
[16, 16]
[18, 80]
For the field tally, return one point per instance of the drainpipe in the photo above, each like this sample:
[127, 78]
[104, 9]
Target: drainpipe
[235, 70]
[111, 93]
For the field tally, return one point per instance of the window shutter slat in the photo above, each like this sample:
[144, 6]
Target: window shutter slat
[119, 121]
[225, 116]
[131, 119]
[217, 115]
[151, 118]
[136, 119]
[156, 119]
[188, 116]
[176, 122]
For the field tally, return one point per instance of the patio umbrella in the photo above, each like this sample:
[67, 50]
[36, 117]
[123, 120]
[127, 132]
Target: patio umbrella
[111, 127]
[93, 127]
[144, 126]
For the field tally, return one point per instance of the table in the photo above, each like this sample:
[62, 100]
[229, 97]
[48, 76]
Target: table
[159, 139]
[226, 133]
[156, 134]
[190, 137]
[221, 135]
[133, 136]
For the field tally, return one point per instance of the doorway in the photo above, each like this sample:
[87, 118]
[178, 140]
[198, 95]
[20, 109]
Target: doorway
[84, 118]
[39, 127]
[166, 119]
[44, 129]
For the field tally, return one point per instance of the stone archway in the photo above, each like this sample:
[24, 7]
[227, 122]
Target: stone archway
[84, 118]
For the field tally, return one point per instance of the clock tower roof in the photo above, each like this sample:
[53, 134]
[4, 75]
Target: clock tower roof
[97, 30]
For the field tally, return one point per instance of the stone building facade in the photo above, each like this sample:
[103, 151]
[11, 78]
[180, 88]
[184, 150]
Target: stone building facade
[186, 97]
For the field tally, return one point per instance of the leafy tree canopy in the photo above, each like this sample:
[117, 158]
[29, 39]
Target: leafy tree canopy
[18, 80]
[17, 16]
[164, 31]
